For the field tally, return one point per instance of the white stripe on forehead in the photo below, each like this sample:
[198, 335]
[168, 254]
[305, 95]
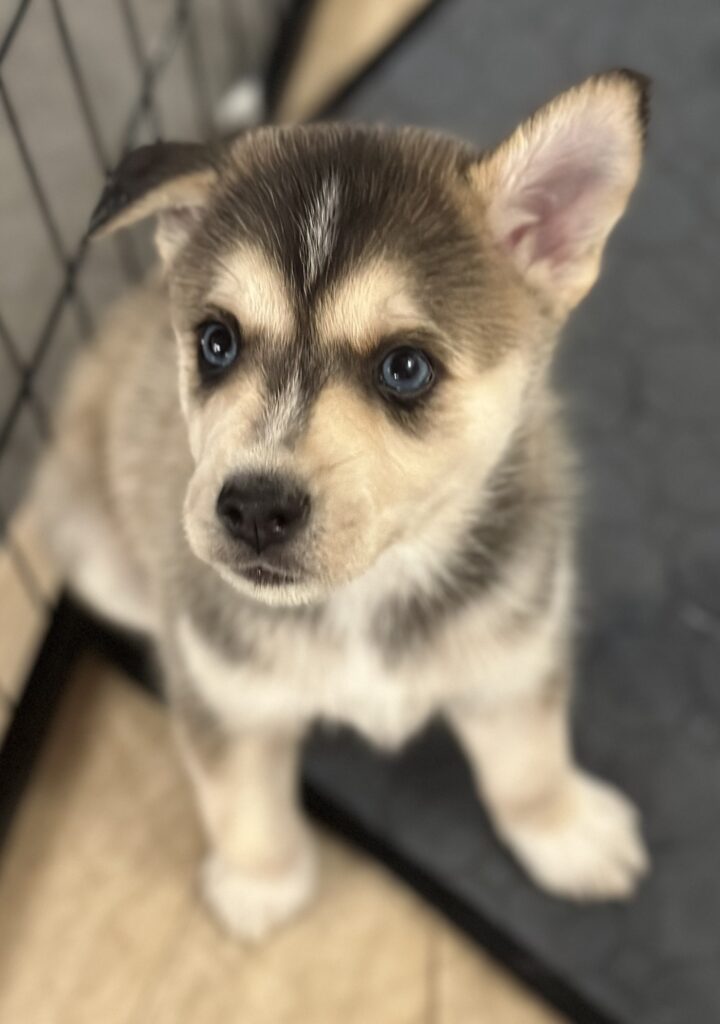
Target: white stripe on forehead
[319, 231]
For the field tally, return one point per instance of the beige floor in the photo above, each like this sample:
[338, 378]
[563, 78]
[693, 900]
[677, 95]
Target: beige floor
[341, 37]
[100, 921]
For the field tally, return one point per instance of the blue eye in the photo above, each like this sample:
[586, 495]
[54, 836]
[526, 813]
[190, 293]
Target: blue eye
[219, 346]
[406, 373]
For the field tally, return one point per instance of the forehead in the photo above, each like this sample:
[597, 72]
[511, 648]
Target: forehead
[370, 300]
[356, 231]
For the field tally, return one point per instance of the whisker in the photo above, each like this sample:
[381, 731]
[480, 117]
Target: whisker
[328, 467]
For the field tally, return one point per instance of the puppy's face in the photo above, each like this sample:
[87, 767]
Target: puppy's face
[362, 317]
[350, 366]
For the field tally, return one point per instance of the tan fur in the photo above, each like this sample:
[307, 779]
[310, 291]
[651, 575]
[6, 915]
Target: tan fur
[261, 864]
[389, 620]
[189, 190]
[369, 304]
[375, 488]
[254, 291]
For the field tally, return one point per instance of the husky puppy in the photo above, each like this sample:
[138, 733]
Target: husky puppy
[319, 460]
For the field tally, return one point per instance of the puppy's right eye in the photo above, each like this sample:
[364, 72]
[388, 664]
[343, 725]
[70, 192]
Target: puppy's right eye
[218, 347]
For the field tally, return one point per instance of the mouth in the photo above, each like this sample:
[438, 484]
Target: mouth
[262, 576]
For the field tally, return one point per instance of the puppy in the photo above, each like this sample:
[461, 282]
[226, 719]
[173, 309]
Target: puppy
[319, 460]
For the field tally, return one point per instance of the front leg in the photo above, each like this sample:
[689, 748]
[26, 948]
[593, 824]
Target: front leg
[260, 868]
[576, 836]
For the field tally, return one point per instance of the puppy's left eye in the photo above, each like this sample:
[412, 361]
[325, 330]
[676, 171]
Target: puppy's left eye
[219, 345]
[405, 373]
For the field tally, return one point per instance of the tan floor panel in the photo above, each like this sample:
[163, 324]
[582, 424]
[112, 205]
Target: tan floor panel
[341, 38]
[471, 989]
[100, 920]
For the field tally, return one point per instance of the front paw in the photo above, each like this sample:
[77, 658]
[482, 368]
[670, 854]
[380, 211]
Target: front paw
[586, 845]
[249, 905]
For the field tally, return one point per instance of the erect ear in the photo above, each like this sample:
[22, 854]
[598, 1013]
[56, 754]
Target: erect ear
[169, 179]
[557, 186]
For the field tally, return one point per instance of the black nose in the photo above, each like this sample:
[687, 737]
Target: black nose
[262, 510]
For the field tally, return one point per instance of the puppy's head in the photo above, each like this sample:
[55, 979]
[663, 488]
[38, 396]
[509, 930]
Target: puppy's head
[362, 317]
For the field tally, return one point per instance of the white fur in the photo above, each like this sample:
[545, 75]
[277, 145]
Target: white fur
[350, 681]
[593, 850]
[320, 228]
[118, 598]
[101, 573]
[249, 906]
[279, 417]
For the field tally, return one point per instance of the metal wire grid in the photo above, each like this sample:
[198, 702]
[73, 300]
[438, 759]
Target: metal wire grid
[181, 30]
[25, 353]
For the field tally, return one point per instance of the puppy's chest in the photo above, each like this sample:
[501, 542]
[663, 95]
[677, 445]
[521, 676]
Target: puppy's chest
[304, 670]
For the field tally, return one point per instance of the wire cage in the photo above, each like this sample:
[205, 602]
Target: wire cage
[80, 85]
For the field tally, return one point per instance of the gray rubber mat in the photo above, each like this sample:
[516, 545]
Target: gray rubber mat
[641, 375]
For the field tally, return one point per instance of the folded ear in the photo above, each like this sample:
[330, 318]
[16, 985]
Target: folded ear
[557, 186]
[170, 180]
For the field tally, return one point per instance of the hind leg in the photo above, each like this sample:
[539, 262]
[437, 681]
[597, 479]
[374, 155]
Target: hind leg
[88, 549]
[104, 579]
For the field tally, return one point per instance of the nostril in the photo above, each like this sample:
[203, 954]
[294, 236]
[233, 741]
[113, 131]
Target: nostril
[233, 515]
[230, 510]
[278, 523]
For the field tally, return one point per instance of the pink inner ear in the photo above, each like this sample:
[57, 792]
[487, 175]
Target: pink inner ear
[553, 213]
[182, 218]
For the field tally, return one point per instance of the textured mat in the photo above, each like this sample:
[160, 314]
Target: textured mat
[641, 376]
